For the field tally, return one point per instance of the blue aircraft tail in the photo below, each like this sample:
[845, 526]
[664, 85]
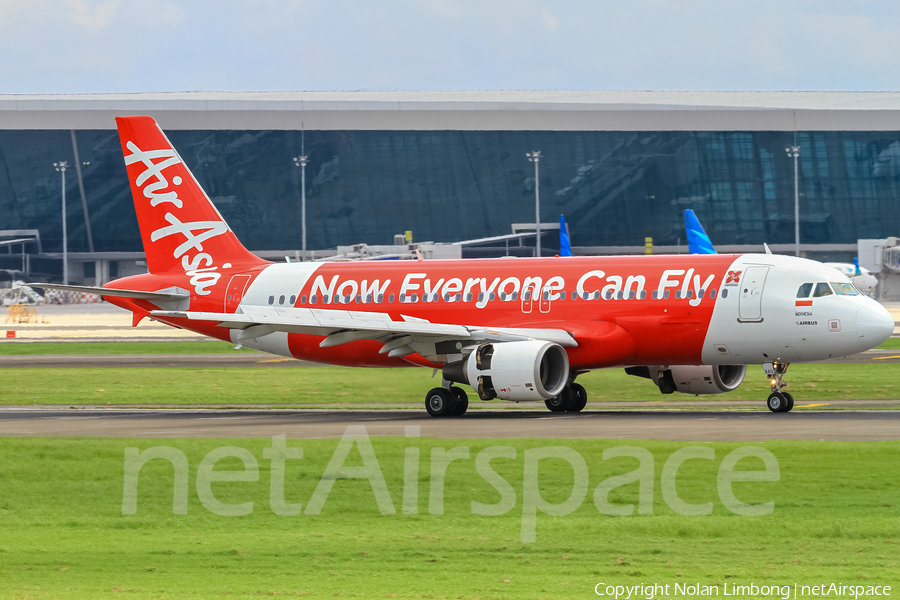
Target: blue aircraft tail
[564, 248]
[698, 241]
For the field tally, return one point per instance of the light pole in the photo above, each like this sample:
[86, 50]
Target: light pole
[794, 151]
[535, 157]
[301, 161]
[61, 167]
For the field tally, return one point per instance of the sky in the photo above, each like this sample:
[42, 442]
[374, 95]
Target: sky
[99, 46]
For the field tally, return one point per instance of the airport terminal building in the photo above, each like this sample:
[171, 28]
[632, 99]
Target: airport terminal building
[452, 166]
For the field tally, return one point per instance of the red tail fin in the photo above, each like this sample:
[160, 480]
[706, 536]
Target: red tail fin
[180, 227]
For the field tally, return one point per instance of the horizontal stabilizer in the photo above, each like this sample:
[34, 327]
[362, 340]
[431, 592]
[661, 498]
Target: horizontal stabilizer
[114, 293]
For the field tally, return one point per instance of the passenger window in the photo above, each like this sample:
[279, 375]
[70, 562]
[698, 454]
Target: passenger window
[281, 300]
[293, 300]
[481, 296]
[271, 299]
[666, 295]
[469, 297]
[379, 298]
[391, 298]
[804, 290]
[844, 289]
[643, 294]
[313, 299]
[712, 293]
[619, 295]
[677, 294]
[822, 289]
[655, 294]
[302, 299]
[724, 293]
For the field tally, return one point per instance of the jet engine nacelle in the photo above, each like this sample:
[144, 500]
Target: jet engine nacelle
[530, 370]
[714, 379]
[706, 379]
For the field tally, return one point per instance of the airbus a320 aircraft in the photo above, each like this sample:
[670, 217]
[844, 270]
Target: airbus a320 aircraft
[514, 329]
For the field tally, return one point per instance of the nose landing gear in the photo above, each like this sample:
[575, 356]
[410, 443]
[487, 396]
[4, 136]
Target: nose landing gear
[778, 401]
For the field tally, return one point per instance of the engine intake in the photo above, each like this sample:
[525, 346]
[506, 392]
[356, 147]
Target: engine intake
[531, 370]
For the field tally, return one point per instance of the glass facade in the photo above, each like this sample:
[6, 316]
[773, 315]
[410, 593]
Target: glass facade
[615, 188]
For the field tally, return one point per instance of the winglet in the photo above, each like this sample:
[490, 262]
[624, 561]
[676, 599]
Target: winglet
[766, 246]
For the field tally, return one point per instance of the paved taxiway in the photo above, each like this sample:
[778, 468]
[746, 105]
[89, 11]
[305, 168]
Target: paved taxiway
[656, 425]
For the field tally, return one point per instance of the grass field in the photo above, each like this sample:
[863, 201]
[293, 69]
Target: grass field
[347, 386]
[19, 348]
[836, 518]
[186, 347]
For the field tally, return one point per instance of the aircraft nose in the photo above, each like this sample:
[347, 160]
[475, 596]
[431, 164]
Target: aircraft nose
[874, 324]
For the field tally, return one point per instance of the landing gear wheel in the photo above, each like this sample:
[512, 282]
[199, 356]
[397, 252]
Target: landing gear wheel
[790, 400]
[462, 401]
[440, 402]
[559, 403]
[578, 398]
[778, 402]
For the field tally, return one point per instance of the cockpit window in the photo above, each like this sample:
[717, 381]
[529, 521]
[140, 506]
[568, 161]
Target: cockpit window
[822, 289]
[804, 290]
[844, 289]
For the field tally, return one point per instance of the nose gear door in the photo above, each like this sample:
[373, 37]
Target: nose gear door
[750, 302]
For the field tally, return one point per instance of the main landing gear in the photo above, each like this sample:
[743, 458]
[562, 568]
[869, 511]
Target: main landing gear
[778, 401]
[446, 402]
[572, 399]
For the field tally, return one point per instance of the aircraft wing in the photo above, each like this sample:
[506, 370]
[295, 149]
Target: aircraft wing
[400, 338]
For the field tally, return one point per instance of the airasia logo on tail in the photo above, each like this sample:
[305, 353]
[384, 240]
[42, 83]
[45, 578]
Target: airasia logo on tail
[154, 185]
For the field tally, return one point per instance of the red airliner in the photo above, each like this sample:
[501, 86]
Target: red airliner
[514, 329]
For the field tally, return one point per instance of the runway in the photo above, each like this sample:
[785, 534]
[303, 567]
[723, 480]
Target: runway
[311, 424]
